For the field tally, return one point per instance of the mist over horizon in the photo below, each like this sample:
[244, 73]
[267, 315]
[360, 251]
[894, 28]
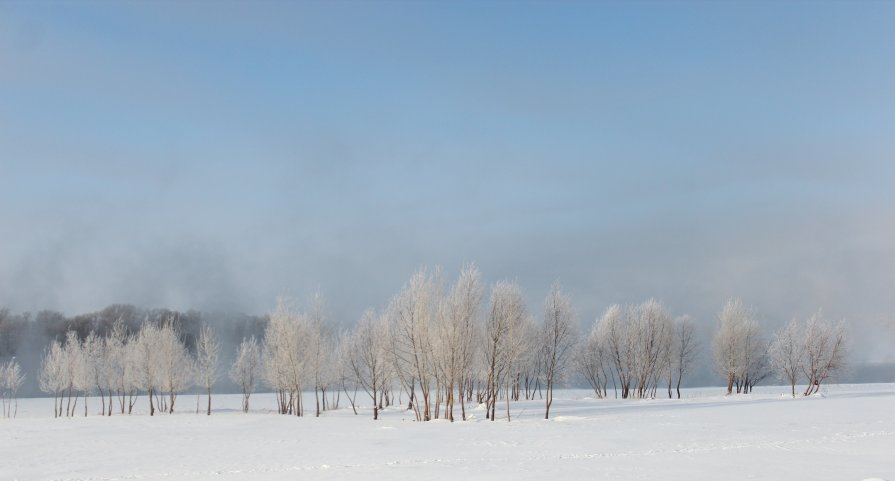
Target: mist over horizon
[187, 157]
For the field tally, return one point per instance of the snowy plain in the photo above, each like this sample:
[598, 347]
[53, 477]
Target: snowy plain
[847, 433]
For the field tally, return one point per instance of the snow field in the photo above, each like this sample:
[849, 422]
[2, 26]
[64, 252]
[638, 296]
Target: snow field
[846, 434]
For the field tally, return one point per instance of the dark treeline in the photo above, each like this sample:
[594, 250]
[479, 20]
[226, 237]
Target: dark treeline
[25, 336]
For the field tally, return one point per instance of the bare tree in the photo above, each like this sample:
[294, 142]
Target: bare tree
[504, 340]
[52, 375]
[346, 376]
[117, 347]
[558, 336]
[786, 352]
[825, 351]
[208, 348]
[457, 330]
[686, 348]
[651, 343]
[246, 369]
[367, 356]
[319, 342]
[146, 362]
[619, 348]
[637, 341]
[285, 356]
[591, 362]
[94, 364]
[412, 313]
[739, 348]
[11, 379]
[177, 368]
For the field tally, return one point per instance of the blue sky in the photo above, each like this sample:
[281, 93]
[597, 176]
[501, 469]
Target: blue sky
[216, 155]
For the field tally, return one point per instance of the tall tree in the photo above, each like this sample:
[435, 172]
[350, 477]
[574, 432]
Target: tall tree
[208, 349]
[246, 369]
[559, 333]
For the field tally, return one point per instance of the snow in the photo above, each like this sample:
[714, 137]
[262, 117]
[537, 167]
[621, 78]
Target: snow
[849, 434]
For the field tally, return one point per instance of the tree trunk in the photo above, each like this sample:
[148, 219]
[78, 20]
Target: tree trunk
[209, 400]
[549, 398]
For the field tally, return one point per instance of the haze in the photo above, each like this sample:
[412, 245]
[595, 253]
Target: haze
[217, 155]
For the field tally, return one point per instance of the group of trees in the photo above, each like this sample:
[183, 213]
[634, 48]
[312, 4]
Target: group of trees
[436, 345]
[119, 365]
[812, 350]
[11, 379]
[636, 348]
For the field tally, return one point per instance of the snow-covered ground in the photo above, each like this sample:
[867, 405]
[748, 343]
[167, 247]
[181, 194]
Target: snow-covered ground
[846, 434]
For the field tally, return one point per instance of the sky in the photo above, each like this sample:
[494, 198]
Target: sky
[216, 155]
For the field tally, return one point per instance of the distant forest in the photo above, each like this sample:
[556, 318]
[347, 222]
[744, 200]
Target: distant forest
[25, 336]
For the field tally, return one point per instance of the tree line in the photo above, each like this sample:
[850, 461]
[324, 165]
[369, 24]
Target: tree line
[435, 348]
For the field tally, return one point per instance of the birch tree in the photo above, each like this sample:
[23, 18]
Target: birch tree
[592, 363]
[739, 348]
[367, 356]
[504, 340]
[686, 348]
[786, 352]
[246, 369]
[558, 335]
[825, 351]
[412, 313]
[11, 379]
[457, 334]
[51, 378]
[208, 349]
[146, 361]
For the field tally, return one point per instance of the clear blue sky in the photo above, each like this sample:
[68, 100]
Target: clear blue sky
[217, 154]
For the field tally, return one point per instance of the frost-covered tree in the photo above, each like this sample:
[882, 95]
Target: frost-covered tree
[504, 339]
[285, 356]
[246, 369]
[652, 341]
[208, 349]
[591, 362]
[176, 365]
[52, 375]
[367, 355]
[685, 350]
[93, 368]
[456, 337]
[786, 352]
[558, 336]
[11, 379]
[739, 348]
[319, 342]
[637, 343]
[412, 315]
[825, 351]
[618, 347]
[74, 371]
[119, 383]
[146, 362]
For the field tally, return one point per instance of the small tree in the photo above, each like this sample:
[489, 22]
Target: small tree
[686, 348]
[246, 369]
[739, 348]
[558, 336]
[367, 356]
[207, 350]
[145, 363]
[11, 379]
[825, 351]
[52, 375]
[591, 362]
[786, 352]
